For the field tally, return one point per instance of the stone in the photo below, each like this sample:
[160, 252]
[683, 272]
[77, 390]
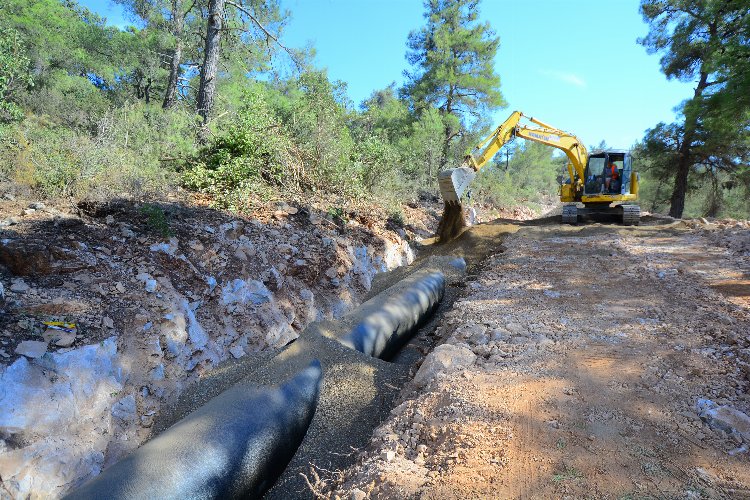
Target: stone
[516, 328]
[19, 286]
[388, 455]
[358, 494]
[64, 419]
[32, 348]
[725, 419]
[237, 351]
[332, 273]
[65, 340]
[108, 322]
[125, 409]
[498, 335]
[36, 258]
[445, 358]
[242, 292]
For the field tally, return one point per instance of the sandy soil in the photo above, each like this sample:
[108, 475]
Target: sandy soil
[593, 348]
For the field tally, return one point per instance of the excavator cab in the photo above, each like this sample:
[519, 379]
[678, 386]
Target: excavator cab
[608, 173]
[608, 179]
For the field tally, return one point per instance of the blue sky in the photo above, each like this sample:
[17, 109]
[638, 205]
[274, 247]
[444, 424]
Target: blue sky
[574, 64]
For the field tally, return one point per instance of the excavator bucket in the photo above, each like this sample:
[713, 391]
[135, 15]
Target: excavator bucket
[454, 182]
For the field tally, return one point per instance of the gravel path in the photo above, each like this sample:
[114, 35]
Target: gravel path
[595, 356]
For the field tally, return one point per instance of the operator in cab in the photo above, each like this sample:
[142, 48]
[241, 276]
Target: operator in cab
[611, 176]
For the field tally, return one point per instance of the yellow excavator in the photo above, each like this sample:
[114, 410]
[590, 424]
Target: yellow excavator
[597, 180]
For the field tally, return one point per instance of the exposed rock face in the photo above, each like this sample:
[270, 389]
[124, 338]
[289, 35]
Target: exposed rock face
[159, 313]
[57, 411]
[34, 258]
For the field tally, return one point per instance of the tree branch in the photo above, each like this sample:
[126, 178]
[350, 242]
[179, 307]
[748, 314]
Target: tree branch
[264, 30]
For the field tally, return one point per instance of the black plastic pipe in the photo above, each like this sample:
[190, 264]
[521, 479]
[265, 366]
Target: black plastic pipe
[390, 319]
[235, 446]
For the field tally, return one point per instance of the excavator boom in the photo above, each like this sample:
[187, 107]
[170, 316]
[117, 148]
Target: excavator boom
[454, 182]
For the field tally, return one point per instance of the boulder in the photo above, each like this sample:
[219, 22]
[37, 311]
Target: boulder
[33, 258]
[445, 358]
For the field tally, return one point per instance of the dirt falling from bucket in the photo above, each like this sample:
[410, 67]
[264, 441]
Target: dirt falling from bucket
[451, 223]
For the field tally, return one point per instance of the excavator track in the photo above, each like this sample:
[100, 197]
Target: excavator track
[569, 214]
[631, 215]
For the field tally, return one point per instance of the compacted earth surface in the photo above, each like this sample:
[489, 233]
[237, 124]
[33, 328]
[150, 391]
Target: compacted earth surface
[593, 361]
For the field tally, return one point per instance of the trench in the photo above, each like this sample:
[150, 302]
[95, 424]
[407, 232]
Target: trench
[358, 389]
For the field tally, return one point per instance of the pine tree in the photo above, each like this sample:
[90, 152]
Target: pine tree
[453, 58]
[704, 41]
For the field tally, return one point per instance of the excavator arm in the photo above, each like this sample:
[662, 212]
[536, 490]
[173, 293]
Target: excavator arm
[455, 181]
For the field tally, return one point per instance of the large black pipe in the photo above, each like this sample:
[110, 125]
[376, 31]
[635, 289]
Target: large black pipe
[386, 322]
[235, 446]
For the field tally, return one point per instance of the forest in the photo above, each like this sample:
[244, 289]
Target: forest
[206, 96]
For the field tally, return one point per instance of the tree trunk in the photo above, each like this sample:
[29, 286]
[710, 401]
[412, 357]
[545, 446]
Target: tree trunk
[207, 88]
[684, 160]
[449, 134]
[178, 23]
[677, 203]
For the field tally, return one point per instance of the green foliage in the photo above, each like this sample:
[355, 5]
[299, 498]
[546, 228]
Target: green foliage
[703, 41]
[14, 72]
[156, 220]
[531, 177]
[454, 72]
[294, 136]
[92, 124]
[337, 213]
[255, 150]
[66, 36]
[68, 100]
[454, 56]
[123, 158]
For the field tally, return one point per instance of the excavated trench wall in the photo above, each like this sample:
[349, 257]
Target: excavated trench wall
[262, 427]
[73, 412]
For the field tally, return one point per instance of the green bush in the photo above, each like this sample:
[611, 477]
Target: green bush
[14, 73]
[124, 158]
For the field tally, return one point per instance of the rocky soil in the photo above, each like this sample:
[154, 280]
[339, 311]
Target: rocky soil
[150, 298]
[581, 362]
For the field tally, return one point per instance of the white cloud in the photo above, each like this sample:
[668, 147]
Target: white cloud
[569, 78]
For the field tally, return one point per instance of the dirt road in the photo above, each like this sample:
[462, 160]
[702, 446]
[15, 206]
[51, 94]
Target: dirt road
[579, 359]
